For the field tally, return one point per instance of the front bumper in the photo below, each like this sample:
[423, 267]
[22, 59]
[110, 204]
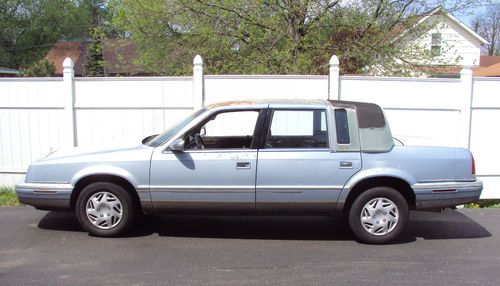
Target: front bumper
[446, 194]
[44, 195]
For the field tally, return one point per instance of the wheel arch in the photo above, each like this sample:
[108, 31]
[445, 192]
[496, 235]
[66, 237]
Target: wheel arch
[110, 178]
[399, 184]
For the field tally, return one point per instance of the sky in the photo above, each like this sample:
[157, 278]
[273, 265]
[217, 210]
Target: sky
[468, 17]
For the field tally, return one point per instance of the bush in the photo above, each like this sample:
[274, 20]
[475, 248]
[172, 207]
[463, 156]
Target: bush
[42, 68]
[484, 204]
[8, 197]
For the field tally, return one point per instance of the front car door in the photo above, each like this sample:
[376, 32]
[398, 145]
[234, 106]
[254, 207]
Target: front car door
[298, 170]
[217, 169]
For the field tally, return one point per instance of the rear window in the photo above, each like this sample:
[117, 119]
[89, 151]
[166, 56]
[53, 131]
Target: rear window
[342, 126]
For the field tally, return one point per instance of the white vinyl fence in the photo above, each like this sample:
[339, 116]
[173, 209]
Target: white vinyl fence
[38, 115]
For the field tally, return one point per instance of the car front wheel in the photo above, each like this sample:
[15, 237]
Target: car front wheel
[105, 209]
[378, 215]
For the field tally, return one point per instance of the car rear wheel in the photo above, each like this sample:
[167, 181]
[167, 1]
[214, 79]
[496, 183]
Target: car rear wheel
[378, 215]
[105, 209]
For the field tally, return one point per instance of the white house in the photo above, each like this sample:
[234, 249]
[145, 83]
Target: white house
[449, 41]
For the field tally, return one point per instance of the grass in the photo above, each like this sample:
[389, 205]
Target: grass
[483, 204]
[8, 197]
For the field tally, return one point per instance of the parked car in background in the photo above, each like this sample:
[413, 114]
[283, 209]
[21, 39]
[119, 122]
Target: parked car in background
[259, 157]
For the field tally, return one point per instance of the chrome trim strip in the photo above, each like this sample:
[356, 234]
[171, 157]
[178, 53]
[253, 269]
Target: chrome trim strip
[448, 185]
[242, 150]
[446, 181]
[142, 189]
[322, 149]
[45, 192]
[300, 187]
[43, 186]
[203, 189]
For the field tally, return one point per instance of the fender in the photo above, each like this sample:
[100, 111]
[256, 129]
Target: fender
[105, 170]
[371, 173]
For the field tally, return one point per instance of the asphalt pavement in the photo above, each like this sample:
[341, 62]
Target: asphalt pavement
[456, 247]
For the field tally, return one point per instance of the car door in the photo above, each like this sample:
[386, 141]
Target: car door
[219, 177]
[297, 169]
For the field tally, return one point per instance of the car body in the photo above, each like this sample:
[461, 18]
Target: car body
[268, 156]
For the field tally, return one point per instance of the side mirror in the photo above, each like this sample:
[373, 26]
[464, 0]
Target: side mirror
[149, 138]
[177, 146]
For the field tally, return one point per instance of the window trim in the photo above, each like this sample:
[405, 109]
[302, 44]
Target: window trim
[255, 137]
[436, 44]
[267, 127]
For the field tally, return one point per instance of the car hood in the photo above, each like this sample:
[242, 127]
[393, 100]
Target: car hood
[80, 152]
[68, 165]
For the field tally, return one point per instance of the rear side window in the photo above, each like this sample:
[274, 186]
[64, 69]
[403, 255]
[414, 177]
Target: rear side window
[298, 129]
[342, 126]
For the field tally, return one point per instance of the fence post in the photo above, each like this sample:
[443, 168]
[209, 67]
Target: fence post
[69, 102]
[334, 79]
[198, 83]
[465, 106]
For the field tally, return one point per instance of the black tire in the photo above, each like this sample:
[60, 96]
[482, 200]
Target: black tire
[128, 211]
[355, 214]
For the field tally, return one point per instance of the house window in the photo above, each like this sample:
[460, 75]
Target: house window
[436, 44]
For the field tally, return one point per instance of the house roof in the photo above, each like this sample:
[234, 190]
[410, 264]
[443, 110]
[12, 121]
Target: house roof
[120, 55]
[486, 61]
[62, 50]
[415, 21]
[493, 70]
[441, 11]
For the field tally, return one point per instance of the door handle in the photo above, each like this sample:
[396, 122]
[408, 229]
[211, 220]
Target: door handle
[243, 165]
[345, 165]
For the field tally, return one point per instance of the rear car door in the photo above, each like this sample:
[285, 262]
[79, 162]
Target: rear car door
[297, 168]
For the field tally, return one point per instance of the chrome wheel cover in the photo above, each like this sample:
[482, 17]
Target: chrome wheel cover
[379, 216]
[104, 210]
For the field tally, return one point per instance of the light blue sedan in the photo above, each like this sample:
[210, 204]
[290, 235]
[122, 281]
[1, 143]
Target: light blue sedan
[275, 156]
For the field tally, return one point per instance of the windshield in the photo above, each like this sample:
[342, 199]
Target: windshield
[167, 134]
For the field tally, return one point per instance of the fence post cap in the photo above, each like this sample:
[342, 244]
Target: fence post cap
[198, 60]
[68, 63]
[334, 60]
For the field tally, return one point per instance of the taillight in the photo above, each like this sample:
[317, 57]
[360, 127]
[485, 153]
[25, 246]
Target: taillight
[473, 166]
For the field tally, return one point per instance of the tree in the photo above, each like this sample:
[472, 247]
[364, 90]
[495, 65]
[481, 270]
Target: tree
[487, 24]
[30, 27]
[42, 68]
[264, 36]
[94, 64]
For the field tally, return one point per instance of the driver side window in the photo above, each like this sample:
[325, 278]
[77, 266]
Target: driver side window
[225, 130]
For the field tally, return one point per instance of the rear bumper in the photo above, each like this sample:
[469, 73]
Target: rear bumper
[446, 194]
[45, 196]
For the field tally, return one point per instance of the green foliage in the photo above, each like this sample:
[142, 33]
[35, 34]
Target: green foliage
[8, 197]
[94, 64]
[277, 37]
[30, 27]
[484, 204]
[42, 68]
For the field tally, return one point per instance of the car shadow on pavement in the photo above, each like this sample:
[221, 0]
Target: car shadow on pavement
[449, 224]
